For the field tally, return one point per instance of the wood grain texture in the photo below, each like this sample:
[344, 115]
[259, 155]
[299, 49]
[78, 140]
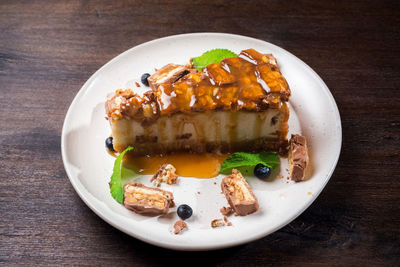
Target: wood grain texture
[48, 49]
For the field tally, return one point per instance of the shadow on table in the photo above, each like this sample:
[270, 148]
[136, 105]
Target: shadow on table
[152, 255]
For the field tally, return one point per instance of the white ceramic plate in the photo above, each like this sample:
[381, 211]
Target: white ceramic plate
[313, 112]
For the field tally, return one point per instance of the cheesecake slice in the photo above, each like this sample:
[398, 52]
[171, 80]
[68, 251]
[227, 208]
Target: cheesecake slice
[239, 104]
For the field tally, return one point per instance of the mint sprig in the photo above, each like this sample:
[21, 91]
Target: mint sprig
[211, 56]
[116, 189]
[245, 162]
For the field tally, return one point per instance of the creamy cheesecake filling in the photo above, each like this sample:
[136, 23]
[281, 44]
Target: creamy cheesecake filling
[219, 131]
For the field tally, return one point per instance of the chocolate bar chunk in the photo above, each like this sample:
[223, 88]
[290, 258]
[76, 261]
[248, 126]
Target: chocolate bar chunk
[167, 75]
[146, 200]
[238, 193]
[298, 157]
[166, 174]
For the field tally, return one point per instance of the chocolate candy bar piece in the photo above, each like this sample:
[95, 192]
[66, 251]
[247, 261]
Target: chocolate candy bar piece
[147, 200]
[166, 174]
[298, 157]
[238, 193]
[167, 75]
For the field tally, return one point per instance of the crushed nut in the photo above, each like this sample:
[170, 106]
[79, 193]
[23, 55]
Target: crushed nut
[217, 223]
[227, 222]
[226, 210]
[179, 226]
[239, 194]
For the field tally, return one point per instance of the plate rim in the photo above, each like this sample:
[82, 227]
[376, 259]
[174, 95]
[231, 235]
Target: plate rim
[103, 216]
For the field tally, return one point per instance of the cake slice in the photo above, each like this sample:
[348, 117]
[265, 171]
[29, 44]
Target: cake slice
[237, 105]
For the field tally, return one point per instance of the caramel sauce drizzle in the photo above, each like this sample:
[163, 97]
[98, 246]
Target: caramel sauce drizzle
[186, 164]
[251, 81]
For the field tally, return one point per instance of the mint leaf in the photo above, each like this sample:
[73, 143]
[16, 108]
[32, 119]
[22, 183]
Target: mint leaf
[116, 189]
[211, 56]
[247, 161]
[269, 159]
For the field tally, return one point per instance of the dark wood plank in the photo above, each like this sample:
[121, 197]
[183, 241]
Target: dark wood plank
[48, 49]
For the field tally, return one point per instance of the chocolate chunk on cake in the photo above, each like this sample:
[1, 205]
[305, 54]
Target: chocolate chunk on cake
[167, 75]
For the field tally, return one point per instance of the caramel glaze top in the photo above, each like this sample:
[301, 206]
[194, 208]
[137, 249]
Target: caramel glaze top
[251, 81]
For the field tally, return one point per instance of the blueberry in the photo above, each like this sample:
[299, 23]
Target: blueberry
[261, 171]
[109, 143]
[144, 79]
[184, 211]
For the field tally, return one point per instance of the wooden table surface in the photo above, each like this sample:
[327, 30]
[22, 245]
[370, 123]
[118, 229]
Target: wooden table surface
[48, 49]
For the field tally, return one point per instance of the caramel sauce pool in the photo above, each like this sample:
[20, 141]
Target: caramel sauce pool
[186, 164]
